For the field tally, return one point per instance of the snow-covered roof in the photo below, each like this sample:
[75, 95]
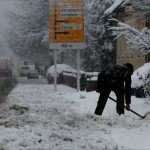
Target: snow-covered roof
[139, 75]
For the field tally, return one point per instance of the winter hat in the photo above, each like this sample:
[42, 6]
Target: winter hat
[129, 66]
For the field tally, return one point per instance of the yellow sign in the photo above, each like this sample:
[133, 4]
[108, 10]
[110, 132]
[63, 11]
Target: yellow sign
[66, 21]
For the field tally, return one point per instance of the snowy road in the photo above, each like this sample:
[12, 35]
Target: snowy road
[34, 117]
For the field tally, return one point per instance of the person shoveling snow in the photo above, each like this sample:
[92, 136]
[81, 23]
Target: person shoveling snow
[113, 79]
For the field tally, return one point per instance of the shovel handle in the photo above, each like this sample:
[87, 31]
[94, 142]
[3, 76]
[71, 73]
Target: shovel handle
[129, 109]
[136, 113]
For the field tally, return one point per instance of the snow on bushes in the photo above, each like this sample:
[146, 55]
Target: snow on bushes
[141, 78]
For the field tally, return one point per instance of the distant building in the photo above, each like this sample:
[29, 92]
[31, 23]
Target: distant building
[124, 53]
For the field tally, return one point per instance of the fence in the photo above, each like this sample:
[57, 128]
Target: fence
[91, 81]
[69, 77]
[6, 66]
[6, 85]
[87, 80]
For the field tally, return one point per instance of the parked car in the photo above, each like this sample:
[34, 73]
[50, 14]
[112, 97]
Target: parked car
[24, 71]
[60, 68]
[33, 74]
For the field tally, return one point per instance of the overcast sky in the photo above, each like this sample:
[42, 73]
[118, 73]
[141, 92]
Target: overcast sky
[5, 51]
[5, 5]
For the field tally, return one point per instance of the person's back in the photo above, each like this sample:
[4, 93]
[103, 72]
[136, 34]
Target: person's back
[116, 72]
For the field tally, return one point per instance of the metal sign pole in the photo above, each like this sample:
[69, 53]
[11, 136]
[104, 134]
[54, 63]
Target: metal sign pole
[55, 51]
[78, 70]
[67, 30]
[55, 69]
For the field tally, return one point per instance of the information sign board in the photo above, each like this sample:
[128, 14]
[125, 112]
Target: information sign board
[66, 24]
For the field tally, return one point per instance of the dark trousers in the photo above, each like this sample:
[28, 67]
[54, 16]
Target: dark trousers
[118, 88]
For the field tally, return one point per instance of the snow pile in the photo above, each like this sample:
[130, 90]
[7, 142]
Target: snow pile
[140, 75]
[34, 117]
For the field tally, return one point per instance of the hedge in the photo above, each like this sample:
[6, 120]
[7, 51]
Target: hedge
[6, 85]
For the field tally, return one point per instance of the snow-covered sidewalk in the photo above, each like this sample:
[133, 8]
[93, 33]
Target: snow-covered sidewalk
[34, 117]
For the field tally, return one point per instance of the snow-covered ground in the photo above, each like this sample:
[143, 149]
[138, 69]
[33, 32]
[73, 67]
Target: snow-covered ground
[34, 117]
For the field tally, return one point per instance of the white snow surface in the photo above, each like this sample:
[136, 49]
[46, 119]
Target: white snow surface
[139, 75]
[34, 117]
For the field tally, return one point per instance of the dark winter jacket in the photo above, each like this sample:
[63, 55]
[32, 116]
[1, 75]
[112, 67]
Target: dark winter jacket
[115, 75]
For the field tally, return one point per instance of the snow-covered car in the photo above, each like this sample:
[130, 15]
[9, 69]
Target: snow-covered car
[23, 71]
[60, 69]
[139, 79]
[33, 74]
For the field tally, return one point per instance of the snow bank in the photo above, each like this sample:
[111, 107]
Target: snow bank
[139, 75]
[35, 117]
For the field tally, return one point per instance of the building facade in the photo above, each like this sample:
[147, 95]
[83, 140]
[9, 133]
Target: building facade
[125, 54]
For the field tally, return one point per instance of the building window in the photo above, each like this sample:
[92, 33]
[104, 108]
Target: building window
[147, 21]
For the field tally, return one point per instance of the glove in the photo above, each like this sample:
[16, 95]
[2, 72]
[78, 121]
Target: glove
[127, 107]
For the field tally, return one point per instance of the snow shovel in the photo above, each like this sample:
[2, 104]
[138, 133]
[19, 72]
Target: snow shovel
[142, 117]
